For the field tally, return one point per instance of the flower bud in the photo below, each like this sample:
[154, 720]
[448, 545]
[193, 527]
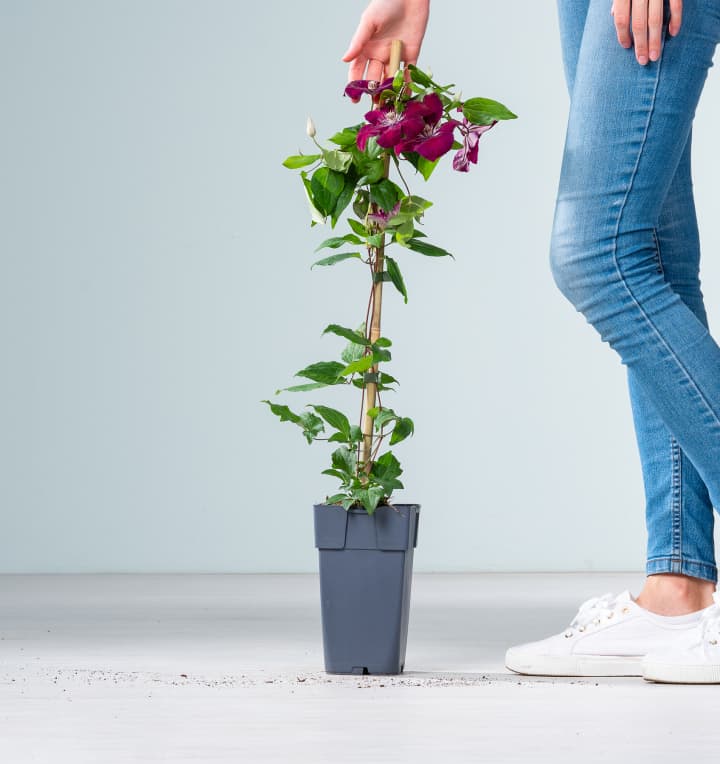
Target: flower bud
[458, 97]
[428, 71]
[311, 131]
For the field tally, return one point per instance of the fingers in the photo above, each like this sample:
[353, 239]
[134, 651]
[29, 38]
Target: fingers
[640, 23]
[364, 32]
[357, 69]
[375, 69]
[675, 16]
[621, 16]
[639, 26]
[655, 23]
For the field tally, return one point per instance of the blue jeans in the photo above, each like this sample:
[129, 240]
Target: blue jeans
[625, 252]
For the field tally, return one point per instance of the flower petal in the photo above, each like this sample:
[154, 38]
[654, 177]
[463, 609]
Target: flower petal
[437, 144]
[433, 108]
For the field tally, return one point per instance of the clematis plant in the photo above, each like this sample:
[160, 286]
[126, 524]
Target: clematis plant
[413, 120]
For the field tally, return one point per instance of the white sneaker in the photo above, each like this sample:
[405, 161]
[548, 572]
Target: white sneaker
[608, 636]
[698, 663]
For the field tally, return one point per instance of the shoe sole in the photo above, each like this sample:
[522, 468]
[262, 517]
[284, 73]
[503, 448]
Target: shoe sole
[577, 665]
[655, 671]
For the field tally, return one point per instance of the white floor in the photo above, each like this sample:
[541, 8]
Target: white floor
[220, 668]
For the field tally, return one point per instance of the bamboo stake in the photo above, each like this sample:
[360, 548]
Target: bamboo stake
[371, 387]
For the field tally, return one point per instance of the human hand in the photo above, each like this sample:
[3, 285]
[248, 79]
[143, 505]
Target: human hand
[380, 23]
[646, 25]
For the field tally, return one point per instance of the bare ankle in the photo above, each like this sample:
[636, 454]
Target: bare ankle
[675, 594]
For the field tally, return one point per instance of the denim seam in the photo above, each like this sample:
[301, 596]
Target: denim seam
[623, 281]
[683, 557]
[683, 566]
[676, 495]
[658, 254]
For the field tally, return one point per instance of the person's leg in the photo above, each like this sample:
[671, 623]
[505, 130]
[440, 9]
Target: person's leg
[679, 514]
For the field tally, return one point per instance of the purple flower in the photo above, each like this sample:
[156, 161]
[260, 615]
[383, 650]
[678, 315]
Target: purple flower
[381, 217]
[357, 88]
[391, 126]
[434, 139]
[469, 152]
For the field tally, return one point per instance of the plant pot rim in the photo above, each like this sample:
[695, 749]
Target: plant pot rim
[362, 509]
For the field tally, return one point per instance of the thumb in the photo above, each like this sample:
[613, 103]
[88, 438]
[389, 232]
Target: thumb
[363, 33]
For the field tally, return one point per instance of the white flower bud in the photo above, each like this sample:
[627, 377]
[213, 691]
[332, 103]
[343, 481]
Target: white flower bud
[311, 131]
[458, 97]
[428, 71]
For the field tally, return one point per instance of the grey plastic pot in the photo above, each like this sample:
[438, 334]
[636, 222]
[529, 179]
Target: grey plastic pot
[365, 576]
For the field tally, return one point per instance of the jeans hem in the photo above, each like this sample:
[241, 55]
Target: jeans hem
[684, 565]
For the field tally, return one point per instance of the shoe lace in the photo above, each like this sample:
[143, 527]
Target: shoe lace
[592, 611]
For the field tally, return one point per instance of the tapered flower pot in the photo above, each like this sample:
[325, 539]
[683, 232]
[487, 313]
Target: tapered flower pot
[365, 575]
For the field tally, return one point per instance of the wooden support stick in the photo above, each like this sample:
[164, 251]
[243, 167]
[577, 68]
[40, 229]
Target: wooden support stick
[371, 387]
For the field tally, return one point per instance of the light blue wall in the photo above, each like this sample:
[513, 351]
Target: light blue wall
[155, 285]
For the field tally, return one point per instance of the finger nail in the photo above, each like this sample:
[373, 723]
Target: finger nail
[654, 55]
[642, 60]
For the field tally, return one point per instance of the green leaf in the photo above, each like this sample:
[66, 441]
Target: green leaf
[370, 497]
[335, 473]
[385, 194]
[349, 334]
[335, 498]
[355, 434]
[337, 258]
[411, 208]
[417, 75]
[425, 167]
[334, 418]
[346, 137]
[427, 249]
[403, 232]
[301, 388]
[358, 227]
[382, 342]
[337, 241]
[379, 354]
[300, 160]
[386, 470]
[312, 425]
[372, 148]
[282, 411]
[337, 160]
[403, 428]
[353, 350]
[344, 460]
[382, 416]
[345, 196]
[395, 276]
[482, 111]
[315, 214]
[361, 204]
[362, 364]
[323, 371]
[326, 186]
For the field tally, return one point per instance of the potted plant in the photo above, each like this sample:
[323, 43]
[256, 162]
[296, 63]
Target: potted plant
[365, 542]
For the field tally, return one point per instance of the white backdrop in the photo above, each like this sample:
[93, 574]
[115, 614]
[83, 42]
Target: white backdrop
[155, 286]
